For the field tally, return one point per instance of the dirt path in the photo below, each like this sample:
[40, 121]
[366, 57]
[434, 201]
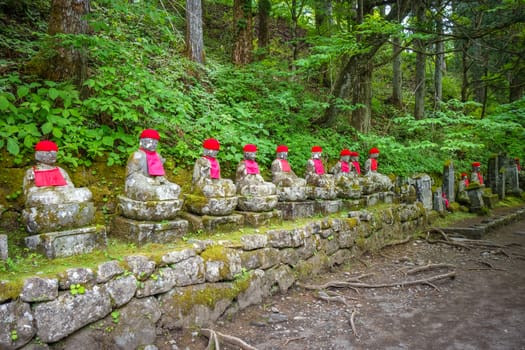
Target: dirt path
[483, 307]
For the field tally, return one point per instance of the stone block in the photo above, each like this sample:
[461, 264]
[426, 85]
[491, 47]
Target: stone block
[262, 219]
[291, 194]
[328, 207]
[142, 232]
[69, 242]
[490, 200]
[295, 210]
[216, 206]
[58, 217]
[213, 223]
[257, 203]
[149, 210]
[3, 247]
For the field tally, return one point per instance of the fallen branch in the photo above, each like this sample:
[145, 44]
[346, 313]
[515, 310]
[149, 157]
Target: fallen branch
[394, 243]
[352, 323]
[323, 296]
[341, 284]
[428, 267]
[293, 339]
[446, 241]
[210, 333]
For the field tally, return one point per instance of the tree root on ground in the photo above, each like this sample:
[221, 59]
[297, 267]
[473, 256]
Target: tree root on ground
[215, 338]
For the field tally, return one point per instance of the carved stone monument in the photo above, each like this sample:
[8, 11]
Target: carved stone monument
[449, 181]
[255, 194]
[423, 185]
[321, 185]
[512, 184]
[346, 181]
[151, 203]
[462, 196]
[379, 181]
[212, 197]
[59, 214]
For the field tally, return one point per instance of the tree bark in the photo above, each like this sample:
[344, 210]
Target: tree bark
[323, 16]
[67, 63]
[439, 66]
[397, 77]
[243, 27]
[265, 7]
[419, 44]
[194, 32]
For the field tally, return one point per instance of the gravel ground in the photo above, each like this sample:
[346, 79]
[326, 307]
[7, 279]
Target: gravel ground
[481, 307]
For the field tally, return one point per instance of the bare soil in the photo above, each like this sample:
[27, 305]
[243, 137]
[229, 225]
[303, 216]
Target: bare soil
[481, 307]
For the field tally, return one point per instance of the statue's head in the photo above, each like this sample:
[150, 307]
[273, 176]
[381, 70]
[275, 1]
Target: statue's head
[354, 156]
[149, 139]
[46, 152]
[282, 152]
[211, 148]
[345, 155]
[373, 153]
[317, 151]
[476, 166]
[464, 176]
[250, 151]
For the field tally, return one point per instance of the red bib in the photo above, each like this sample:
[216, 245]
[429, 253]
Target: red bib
[155, 167]
[373, 164]
[251, 167]
[215, 170]
[345, 167]
[285, 166]
[319, 168]
[51, 177]
[357, 167]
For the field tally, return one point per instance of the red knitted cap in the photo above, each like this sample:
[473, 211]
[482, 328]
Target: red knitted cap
[317, 149]
[46, 146]
[250, 148]
[476, 164]
[281, 148]
[346, 152]
[354, 154]
[150, 134]
[212, 144]
[463, 174]
[373, 151]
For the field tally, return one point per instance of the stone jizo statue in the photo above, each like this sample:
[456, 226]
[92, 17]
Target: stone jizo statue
[251, 186]
[211, 194]
[476, 175]
[356, 167]
[145, 177]
[290, 187]
[380, 182]
[50, 193]
[322, 184]
[149, 195]
[346, 181]
[464, 182]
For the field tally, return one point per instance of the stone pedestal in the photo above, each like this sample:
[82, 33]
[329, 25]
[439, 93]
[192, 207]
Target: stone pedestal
[291, 194]
[213, 223]
[274, 217]
[321, 192]
[69, 242]
[490, 200]
[475, 196]
[379, 197]
[215, 206]
[328, 207]
[58, 217]
[296, 210]
[257, 203]
[149, 210]
[142, 232]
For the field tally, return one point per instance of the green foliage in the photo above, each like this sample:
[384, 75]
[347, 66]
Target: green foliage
[76, 289]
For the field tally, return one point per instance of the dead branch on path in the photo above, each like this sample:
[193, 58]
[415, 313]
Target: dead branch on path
[342, 284]
[216, 336]
[394, 243]
[446, 241]
[428, 267]
[339, 298]
[335, 284]
[352, 323]
[293, 339]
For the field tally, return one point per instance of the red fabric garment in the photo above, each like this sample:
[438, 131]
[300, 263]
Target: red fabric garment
[345, 167]
[357, 167]
[251, 167]
[373, 164]
[480, 178]
[285, 166]
[319, 168]
[51, 177]
[467, 182]
[155, 167]
[215, 169]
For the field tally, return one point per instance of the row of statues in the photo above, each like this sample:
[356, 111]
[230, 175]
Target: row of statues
[149, 195]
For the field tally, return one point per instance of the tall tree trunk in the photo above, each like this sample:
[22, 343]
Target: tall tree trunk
[419, 44]
[362, 94]
[194, 34]
[397, 77]
[323, 16]
[439, 66]
[243, 27]
[265, 7]
[67, 63]
[465, 67]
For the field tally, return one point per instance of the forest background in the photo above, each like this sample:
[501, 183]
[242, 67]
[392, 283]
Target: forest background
[424, 81]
